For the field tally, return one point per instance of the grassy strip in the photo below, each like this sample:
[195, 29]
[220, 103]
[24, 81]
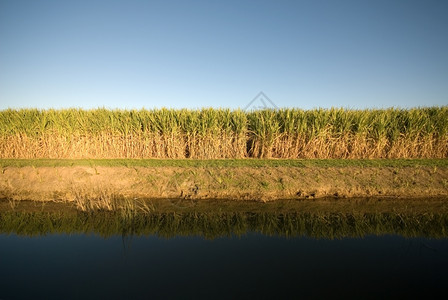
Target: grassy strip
[217, 163]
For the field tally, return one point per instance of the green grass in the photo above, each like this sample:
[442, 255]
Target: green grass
[216, 163]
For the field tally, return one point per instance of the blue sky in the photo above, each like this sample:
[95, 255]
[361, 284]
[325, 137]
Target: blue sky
[193, 54]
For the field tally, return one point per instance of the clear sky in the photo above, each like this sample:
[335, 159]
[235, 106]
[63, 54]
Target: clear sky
[193, 54]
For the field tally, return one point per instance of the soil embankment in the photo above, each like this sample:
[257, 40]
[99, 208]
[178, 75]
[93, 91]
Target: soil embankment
[239, 183]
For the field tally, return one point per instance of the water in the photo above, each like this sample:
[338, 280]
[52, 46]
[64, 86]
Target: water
[242, 261]
[250, 267]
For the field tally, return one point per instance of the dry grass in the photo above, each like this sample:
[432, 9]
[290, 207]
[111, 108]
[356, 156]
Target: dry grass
[107, 187]
[91, 200]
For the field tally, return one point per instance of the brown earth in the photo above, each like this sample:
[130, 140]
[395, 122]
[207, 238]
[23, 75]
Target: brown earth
[238, 183]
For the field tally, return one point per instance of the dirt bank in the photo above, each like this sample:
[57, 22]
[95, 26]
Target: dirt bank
[239, 183]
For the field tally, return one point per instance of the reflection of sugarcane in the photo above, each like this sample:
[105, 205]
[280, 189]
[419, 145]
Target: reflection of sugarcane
[213, 225]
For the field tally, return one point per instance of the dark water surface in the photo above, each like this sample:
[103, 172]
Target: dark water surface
[256, 255]
[249, 267]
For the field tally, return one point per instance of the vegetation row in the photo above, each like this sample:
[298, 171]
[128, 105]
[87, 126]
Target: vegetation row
[224, 133]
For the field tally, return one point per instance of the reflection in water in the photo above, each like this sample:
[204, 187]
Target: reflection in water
[214, 225]
[213, 219]
[224, 253]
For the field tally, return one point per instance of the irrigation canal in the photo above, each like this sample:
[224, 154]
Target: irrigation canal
[191, 253]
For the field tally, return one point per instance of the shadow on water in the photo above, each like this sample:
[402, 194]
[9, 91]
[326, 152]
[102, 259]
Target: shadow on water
[338, 249]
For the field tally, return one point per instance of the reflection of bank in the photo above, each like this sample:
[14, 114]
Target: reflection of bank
[261, 101]
[210, 219]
